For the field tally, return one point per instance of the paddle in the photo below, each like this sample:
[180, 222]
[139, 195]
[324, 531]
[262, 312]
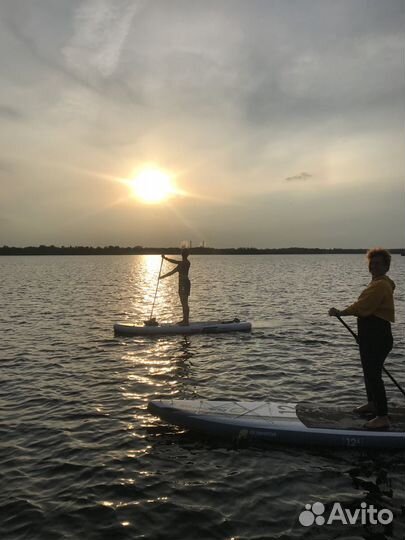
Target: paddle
[357, 341]
[152, 321]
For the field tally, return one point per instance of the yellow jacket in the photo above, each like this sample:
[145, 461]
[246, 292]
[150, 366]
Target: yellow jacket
[377, 299]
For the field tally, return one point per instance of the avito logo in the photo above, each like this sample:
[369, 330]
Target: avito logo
[365, 515]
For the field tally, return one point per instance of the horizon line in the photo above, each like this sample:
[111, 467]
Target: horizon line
[48, 249]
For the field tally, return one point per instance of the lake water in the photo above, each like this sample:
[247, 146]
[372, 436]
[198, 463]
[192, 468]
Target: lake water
[80, 457]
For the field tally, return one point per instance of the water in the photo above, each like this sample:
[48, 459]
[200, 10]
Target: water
[80, 456]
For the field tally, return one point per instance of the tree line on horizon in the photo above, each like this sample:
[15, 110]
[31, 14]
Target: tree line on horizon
[141, 250]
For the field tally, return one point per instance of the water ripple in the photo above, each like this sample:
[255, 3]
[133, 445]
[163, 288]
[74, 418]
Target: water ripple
[81, 457]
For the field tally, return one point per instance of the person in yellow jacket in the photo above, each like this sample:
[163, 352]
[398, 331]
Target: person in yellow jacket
[375, 312]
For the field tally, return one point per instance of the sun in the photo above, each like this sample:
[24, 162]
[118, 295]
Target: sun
[152, 186]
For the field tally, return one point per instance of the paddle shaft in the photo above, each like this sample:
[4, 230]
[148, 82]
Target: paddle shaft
[348, 327]
[157, 286]
[384, 369]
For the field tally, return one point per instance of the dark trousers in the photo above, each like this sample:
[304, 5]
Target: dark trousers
[375, 342]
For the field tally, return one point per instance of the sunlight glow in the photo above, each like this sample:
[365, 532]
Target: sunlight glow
[152, 186]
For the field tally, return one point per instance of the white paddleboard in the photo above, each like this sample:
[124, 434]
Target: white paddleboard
[202, 327]
[284, 423]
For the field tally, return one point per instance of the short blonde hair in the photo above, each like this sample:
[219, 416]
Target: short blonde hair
[380, 252]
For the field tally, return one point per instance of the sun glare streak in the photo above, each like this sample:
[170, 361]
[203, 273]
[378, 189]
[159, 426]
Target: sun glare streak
[152, 185]
[159, 178]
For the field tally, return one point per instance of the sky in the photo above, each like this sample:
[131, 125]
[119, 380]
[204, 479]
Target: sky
[280, 122]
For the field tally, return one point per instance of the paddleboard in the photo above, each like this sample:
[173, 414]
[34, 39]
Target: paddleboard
[284, 423]
[204, 327]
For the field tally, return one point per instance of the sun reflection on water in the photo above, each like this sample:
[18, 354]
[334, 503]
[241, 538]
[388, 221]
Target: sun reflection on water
[150, 271]
[160, 369]
[143, 296]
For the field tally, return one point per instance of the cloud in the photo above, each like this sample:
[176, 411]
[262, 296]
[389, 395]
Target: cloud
[6, 167]
[302, 176]
[101, 28]
[10, 113]
[235, 99]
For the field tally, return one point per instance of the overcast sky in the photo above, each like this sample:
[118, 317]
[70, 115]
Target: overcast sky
[282, 121]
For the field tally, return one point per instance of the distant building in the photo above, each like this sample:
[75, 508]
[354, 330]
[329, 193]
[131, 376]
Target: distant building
[186, 244]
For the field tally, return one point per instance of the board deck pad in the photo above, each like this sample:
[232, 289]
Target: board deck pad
[327, 417]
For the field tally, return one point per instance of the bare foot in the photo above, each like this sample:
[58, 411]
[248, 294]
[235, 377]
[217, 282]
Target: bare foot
[379, 422]
[366, 408]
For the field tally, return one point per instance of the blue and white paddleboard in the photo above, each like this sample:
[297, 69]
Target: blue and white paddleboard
[284, 423]
[204, 327]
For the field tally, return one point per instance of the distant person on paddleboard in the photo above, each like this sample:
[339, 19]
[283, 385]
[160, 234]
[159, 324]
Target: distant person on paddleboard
[182, 267]
[375, 312]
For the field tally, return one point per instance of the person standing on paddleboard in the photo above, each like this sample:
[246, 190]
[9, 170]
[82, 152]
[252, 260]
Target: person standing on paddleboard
[182, 267]
[375, 312]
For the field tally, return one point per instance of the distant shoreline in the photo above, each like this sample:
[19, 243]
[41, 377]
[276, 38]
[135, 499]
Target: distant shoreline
[140, 250]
